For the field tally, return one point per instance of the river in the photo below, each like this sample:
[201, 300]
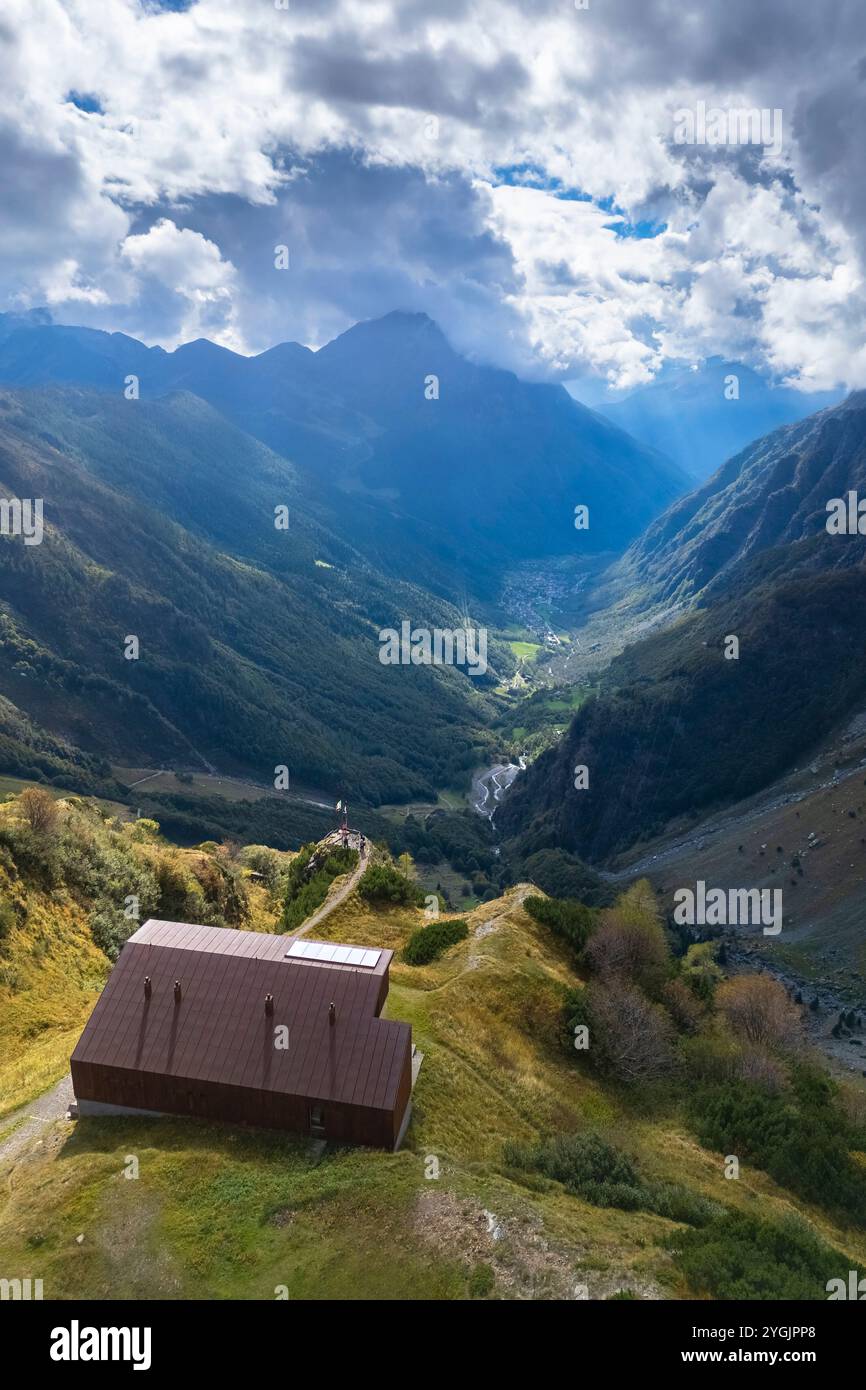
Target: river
[489, 788]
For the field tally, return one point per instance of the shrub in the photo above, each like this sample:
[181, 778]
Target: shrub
[759, 1010]
[382, 883]
[800, 1136]
[630, 1039]
[110, 929]
[683, 1005]
[482, 1281]
[308, 882]
[564, 917]
[598, 1172]
[39, 809]
[700, 969]
[735, 1256]
[635, 951]
[575, 1160]
[262, 860]
[428, 943]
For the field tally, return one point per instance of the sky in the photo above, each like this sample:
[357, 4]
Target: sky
[534, 174]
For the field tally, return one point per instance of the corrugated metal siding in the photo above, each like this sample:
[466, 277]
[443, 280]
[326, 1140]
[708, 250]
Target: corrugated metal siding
[213, 1053]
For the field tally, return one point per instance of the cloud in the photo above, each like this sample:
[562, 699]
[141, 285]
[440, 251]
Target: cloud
[181, 263]
[391, 144]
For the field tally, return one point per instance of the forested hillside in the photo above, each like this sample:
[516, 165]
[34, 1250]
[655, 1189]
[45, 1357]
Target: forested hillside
[678, 727]
[772, 494]
[257, 646]
[423, 460]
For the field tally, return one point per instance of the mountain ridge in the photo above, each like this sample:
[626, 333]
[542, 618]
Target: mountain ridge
[403, 432]
[689, 413]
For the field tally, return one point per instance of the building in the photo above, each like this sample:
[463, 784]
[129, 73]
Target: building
[246, 1027]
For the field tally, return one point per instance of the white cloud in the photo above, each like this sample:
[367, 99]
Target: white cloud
[189, 266]
[214, 117]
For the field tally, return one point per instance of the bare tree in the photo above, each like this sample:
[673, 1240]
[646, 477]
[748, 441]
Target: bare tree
[682, 1005]
[759, 1011]
[39, 809]
[628, 948]
[762, 1068]
[629, 1037]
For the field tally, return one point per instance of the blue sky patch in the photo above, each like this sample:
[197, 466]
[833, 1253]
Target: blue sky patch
[86, 101]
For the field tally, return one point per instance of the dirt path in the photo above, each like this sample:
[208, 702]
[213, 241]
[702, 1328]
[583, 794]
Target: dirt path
[31, 1119]
[344, 890]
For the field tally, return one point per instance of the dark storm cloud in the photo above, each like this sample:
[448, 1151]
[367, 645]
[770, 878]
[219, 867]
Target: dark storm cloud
[34, 177]
[829, 126]
[362, 239]
[448, 82]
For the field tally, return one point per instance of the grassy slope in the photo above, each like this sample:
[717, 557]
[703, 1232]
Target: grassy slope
[222, 1212]
[57, 973]
[51, 973]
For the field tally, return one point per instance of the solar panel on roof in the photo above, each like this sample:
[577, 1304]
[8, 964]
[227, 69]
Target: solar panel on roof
[330, 951]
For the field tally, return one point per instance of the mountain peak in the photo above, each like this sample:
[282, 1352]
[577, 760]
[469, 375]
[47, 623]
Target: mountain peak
[202, 349]
[400, 325]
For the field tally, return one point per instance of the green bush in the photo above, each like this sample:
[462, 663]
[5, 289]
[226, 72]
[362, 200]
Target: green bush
[7, 918]
[382, 883]
[799, 1136]
[598, 1172]
[110, 929]
[307, 887]
[575, 1159]
[565, 918]
[266, 862]
[735, 1256]
[428, 943]
[482, 1281]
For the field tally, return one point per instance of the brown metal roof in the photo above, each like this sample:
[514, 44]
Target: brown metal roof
[220, 1030]
[225, 941]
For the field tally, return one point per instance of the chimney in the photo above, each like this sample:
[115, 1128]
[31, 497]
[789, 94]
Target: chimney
[148, 987]
[269, 1003]
[332, 1013]
[177, 994]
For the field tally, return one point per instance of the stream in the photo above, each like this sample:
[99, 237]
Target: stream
[489, 788]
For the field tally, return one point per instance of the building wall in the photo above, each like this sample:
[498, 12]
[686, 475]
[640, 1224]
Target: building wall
[404, 1096]
[211, 1100]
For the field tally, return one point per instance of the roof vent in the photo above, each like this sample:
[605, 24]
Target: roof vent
[148, 987]
[177, 993]
[269, 1003]
[332, 1013]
